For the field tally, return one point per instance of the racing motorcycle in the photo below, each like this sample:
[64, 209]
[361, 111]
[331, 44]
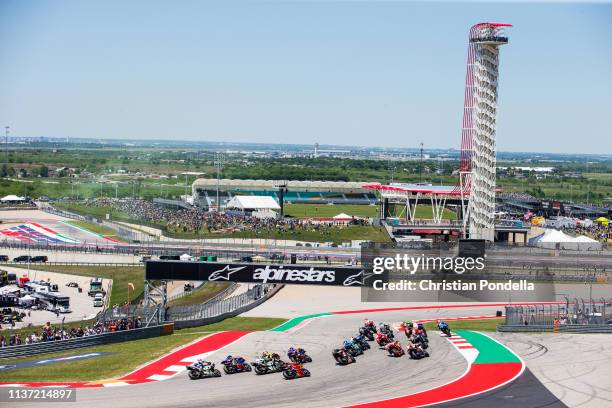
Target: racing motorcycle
[447, 331]
[361, 341]
[295, 370]
[385, 329]
[416, 352]
[383, 339]
[355, 350]
[364, 331]
[202, 369]
[262, 366]
[235, 365]
[343, 357]
[421, 340]
[300, 358]
[395, 349]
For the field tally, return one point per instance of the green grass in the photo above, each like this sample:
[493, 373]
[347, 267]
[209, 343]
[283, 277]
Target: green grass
[423, 211]
[478, 325]
[201, 294]
[127, 355]
[329, 211]
[96, 228]
[120, 275]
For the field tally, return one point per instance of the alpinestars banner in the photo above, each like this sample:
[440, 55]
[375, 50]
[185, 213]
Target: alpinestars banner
[255, 273]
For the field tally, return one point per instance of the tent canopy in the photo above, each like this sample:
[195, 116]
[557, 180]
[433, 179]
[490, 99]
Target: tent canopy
[602, 219]
[12, 197]
[253, 203]
[342, 216]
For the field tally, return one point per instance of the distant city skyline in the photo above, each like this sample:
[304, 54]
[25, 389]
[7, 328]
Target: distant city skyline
[374, 74]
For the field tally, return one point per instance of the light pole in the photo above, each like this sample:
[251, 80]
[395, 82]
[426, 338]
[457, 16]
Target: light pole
[219, 161]
[421, 166]
[6, 135]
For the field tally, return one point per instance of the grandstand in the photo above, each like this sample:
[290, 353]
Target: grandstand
[296, 192]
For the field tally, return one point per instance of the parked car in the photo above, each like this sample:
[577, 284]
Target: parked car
[4, 258]
[98, 300]
[22, 258]
[72, 285]
[64, 309]
[39, 258]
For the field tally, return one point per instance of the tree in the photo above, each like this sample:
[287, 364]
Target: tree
[44, 171]
[4, 171]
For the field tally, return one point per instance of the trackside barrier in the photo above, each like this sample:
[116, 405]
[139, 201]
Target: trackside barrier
[182, 324]
[95, 340]
[569, 328]
[579, 312]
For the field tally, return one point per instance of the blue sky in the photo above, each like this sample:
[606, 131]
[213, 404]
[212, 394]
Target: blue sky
[361, 73]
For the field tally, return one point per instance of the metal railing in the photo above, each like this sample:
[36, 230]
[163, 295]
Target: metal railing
[218, 307]
[570, 312]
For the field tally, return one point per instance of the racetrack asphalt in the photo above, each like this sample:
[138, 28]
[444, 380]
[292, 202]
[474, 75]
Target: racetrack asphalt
[375, 376]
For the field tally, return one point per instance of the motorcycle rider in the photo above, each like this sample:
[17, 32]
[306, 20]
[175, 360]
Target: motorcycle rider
[271, 359]
[349, 345]
[369, 324]
[386, 329]
[239, 362]
[408, 327]
[298, 354]
[443, 326]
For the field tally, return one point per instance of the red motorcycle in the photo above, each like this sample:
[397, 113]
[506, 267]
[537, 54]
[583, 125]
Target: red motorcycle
[416, 352]
[382, 339]
[295, 370]
[395, 349]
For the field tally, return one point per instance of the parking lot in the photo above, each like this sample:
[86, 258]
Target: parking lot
[80, 303]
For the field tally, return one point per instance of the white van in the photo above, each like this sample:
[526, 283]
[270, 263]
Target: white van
[98, 300]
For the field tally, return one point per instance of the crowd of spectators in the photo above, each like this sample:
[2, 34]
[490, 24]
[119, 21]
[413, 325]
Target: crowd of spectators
[196, 219]
[53, 333]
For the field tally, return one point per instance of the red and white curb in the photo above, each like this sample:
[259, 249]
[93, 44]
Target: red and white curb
[464, 347]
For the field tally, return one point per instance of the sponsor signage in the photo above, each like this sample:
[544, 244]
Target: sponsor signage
[255, 273]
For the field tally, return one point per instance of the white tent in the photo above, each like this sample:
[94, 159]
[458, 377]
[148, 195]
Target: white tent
[185, 257]
[253, 203]
[11, 197]
[555, 239]
[27, 300]
[343, 216]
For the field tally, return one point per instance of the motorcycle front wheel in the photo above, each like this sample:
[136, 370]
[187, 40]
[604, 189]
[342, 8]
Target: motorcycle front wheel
[289, 374]
[260, 370]
[194, 375]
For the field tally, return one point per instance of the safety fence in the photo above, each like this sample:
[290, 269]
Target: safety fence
[220, 311]
[85, 341]
[224, 293]
[549, 328]
[219, 307]
[573, 315]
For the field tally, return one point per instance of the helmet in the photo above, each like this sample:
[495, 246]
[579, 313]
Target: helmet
[347, 343]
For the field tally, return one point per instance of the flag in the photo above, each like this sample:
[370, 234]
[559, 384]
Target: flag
[131, 286]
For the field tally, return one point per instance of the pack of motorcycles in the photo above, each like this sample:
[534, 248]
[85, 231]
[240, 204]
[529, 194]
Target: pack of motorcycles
[417, 345]
[384, 337]
[263, 365]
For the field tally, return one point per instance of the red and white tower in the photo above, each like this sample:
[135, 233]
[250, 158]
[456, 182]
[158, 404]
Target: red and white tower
[477, 164]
